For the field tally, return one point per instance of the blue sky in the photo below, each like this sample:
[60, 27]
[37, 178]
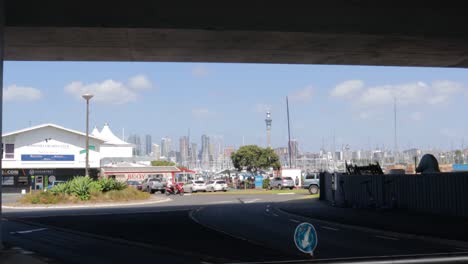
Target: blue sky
[166, 99]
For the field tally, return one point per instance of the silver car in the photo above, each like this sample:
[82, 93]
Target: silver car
[281, 183]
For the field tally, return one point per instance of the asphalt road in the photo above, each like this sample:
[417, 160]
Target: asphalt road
[195, 229]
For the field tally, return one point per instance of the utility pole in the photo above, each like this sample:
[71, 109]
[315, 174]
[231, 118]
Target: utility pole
[395, 150]
[289, 133]
[87, 97]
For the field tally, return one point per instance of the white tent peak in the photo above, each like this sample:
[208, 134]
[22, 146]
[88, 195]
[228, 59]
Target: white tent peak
[107, 135]
[95, 132]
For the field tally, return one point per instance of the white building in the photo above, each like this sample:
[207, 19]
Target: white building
[32, 155]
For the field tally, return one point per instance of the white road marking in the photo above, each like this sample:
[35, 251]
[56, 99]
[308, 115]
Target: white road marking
[329, 228]
[28, 231]
[285, 193]
[251, 201]
[275, 214]
[187, 194]
[388, 238]
[294, 220]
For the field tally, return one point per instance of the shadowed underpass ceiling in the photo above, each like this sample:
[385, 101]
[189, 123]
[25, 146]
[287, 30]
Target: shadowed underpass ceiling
[328, 32]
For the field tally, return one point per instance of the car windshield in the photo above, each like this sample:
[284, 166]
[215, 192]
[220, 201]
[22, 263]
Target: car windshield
[143, 132]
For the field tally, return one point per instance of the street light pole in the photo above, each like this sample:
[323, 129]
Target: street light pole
[87, 97]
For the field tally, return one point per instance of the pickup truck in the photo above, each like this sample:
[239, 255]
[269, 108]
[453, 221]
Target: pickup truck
[312, 183]
[153, 185]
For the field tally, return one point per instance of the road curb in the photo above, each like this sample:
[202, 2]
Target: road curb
[456, 243]
[103, 205]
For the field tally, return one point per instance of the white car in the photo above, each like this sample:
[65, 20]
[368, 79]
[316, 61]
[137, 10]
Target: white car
[218, 185]
[195, 186]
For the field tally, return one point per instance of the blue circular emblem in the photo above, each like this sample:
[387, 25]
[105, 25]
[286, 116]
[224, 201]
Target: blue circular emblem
[305, 238]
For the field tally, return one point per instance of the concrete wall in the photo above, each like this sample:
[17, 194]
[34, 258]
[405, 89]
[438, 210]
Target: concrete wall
[439, 193]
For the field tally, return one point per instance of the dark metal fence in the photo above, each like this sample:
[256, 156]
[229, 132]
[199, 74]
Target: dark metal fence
[440, 193]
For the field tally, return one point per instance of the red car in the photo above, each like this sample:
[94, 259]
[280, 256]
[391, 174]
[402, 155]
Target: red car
[134, 184]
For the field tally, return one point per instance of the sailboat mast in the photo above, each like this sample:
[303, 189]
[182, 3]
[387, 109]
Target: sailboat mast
[289, 134]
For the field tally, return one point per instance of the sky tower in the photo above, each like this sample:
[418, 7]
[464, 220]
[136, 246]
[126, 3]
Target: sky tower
[268, 128]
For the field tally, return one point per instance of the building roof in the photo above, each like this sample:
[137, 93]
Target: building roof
[151, 169]
[107, 135]
[49, 125]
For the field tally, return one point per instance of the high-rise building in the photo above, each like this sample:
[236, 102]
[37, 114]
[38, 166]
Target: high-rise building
[268, 128]
[156, 150]
[148, 145]
[166, 147]
[184, 150]
[294, 147]
[228, 151]
[194, 155]
[206, 155]
[136, 141]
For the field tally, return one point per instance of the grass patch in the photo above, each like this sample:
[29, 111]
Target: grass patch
[127, 194]
[256, 191]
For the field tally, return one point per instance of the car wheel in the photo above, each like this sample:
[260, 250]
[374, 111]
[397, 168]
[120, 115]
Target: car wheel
[152, 191]
[163, 191]
[313, 189]
[290, 188]
[224, 190]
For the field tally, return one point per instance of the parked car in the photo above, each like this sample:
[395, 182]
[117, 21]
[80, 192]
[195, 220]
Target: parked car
[281, 183]
[195, 186]
[218, 185]
[134, 184]
[312, 183]
[153, 185]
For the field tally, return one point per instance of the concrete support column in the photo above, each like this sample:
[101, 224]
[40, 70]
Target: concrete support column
[2, 22]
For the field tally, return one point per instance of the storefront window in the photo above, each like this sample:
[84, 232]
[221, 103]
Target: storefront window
[8, 180]
[9, 151]
[23, 180]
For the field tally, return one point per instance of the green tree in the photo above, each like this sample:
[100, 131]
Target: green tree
[162, 163]
[252, 158]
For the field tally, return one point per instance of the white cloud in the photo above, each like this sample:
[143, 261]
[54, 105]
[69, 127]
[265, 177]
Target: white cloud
[200, 71]
[448, 132]
[411, 93]
[302, 95]
[110, 91]
[417, 116]
[347, 88]
[21, 93]
[139, 82]
[202, 113]
[262, 108]
[364, 115]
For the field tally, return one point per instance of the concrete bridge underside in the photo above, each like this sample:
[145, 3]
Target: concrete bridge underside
[329, 32]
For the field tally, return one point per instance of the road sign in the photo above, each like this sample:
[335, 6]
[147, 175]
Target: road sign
[305, 238]
[52, 178]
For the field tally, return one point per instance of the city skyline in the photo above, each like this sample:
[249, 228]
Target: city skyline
[352, 104]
